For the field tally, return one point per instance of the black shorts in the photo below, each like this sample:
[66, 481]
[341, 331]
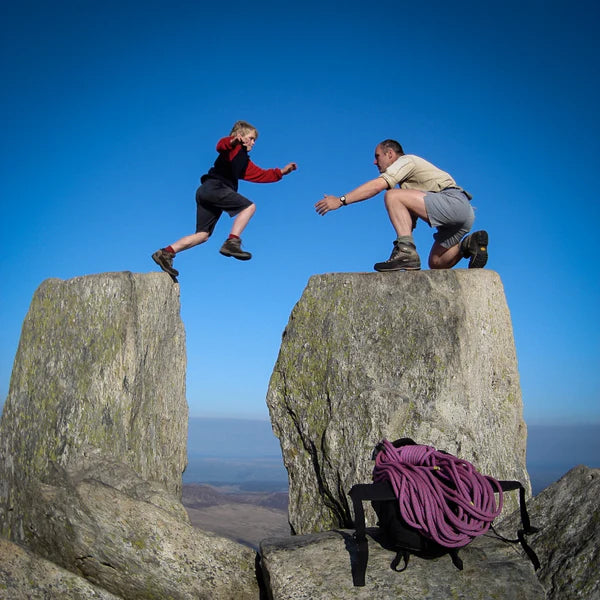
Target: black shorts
[212, 198]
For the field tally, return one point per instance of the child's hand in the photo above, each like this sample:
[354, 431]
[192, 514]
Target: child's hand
[289, 168]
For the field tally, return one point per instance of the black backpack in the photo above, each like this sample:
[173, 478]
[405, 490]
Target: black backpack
[396, 534]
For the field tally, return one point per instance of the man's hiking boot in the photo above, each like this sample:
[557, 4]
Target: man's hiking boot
[404, 257]
[233, 247]
[474, 247]
[164, 259]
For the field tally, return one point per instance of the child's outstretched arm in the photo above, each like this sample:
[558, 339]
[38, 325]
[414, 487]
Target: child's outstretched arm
[257, 175]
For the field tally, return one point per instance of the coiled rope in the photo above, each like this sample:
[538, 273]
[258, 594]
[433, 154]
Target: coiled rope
[445, 498]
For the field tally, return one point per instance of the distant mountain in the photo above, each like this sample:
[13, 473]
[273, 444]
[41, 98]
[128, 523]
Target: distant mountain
[235, 451]
[202, 496]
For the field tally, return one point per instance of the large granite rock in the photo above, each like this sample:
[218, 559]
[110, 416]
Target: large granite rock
[567, 514]
[93, 443]
[100, 367]
[428, 355]
[318, 567]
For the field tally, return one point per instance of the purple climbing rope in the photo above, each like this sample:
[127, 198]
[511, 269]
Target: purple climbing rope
[443, 497]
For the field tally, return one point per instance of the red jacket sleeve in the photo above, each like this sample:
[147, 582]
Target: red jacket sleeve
[257, 175]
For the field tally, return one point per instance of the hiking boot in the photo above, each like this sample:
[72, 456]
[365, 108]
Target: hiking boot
[474, 247]
[233, 247]
[164, 259]
[404, 257]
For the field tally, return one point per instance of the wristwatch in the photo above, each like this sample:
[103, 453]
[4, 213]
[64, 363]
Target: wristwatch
[343, 200]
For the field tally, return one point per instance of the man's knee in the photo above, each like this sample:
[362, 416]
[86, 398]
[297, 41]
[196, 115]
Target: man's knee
[437, 256]
[412, 200]
[443, 258]
[435, 262]
[395, 195]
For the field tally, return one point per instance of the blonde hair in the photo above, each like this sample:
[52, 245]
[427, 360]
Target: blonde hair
[243, 128]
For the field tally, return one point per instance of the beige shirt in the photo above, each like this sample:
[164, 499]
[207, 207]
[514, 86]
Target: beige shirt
[415, 173]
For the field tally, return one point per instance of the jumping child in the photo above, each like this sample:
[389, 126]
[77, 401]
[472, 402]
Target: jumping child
[218, 193]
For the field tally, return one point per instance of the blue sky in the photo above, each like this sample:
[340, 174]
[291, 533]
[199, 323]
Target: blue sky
[111, 112]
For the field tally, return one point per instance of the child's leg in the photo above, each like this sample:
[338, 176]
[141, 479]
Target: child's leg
[242, 219]
[189, 241]
[205, 222]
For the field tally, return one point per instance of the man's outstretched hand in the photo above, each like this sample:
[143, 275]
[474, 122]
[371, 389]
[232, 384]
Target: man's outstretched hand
[327, 203]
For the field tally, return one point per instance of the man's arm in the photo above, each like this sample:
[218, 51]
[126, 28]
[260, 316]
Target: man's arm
[362, 192]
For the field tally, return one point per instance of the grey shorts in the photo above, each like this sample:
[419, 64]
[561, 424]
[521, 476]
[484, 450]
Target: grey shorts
[213, 198]
[451, 213]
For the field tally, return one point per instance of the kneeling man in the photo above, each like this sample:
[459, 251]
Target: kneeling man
[424, 192]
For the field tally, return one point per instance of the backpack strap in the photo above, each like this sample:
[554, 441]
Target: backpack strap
[527, 528]
[456, 559]
[405, 556]
[359, 493]
[400, 555]
[514, 485]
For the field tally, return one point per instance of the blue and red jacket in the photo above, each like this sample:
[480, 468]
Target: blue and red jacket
[233, 164]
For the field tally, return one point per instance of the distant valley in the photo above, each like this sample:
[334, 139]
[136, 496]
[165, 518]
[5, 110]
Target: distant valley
[245, 517]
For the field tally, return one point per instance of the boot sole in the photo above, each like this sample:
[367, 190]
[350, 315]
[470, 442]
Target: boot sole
[479, 259]
[238, 256]
[382, 269]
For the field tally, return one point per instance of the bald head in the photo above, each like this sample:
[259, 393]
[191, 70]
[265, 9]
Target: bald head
[392, 145]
